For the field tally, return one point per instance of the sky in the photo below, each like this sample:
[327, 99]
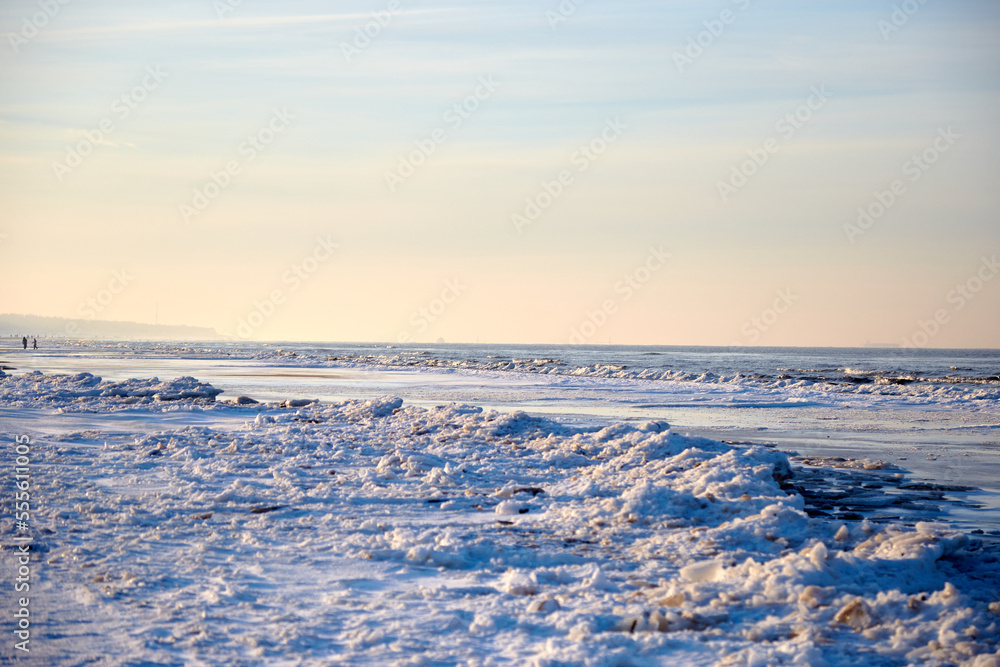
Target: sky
[584, 171]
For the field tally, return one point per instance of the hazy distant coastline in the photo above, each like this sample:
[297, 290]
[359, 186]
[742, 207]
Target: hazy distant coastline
[61, 327]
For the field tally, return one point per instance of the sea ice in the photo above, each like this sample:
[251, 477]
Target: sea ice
[373, 532]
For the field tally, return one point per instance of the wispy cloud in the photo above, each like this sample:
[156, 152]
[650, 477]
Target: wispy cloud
[215, 24]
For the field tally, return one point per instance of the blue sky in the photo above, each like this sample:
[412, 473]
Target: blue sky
[655, 185]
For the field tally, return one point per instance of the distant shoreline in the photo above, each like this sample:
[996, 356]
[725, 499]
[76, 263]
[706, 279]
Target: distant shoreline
[18, 325]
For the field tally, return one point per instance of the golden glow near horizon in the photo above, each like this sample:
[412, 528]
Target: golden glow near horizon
[561, 172]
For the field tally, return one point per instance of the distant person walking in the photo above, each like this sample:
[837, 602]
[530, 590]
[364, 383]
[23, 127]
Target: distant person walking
[24, 342]
[34, 343]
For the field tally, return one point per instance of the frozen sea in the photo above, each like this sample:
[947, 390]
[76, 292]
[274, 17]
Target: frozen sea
[491, 504]
[935, 414]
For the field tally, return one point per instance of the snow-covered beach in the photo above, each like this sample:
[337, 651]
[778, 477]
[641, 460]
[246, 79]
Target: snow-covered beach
[455, 522]
[557, 334]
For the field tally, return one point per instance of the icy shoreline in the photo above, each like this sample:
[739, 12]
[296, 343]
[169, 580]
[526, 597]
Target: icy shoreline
[943, 434]
[372, 532]
[957, 383]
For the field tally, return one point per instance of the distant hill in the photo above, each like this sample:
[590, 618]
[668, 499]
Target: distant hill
[60, 327]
